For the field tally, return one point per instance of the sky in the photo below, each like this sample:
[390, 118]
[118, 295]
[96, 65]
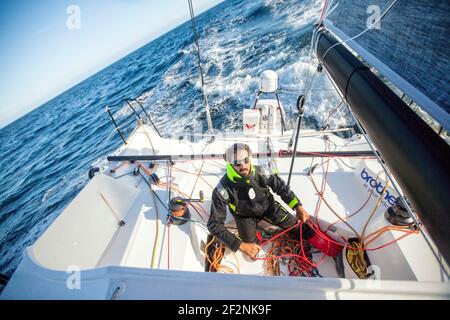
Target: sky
[48, 46]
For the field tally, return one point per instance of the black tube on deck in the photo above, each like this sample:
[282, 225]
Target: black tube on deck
[221, 156]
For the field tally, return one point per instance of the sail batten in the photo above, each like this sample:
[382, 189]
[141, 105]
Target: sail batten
[410, 47]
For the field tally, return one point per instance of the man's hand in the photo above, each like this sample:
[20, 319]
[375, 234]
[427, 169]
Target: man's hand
[301, 214]
[250, 249]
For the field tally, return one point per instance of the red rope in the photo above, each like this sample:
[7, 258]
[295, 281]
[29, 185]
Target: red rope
[323, 9]
[192, 206]
[168, 245]
[280, 234]
[389, 243]
[300, 258]
[298, 264]
[337, 156]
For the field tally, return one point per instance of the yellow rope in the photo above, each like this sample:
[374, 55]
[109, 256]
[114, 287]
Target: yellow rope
[355, 257]
[145, 131]
[374, 209]
[157, 228]
[331, 209]
[155, 245]
[356, 260]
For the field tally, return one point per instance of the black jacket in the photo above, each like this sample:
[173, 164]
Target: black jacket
[235, 192]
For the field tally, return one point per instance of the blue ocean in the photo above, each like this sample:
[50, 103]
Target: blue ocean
[46, 154]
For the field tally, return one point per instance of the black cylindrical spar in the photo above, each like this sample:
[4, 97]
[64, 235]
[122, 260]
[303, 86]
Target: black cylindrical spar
[416, 155]
[221, 156]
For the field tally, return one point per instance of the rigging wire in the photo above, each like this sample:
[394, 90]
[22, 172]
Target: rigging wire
[358, 210]
[332, 112]
[364, 31]
[323, 10]
[194, 29]
[375, 209]
[199, 172]
[340, 219]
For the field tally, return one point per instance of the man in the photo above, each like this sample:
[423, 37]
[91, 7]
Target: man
[244, 189]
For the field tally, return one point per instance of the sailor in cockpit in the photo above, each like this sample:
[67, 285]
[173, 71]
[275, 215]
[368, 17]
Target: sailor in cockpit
[244, 189]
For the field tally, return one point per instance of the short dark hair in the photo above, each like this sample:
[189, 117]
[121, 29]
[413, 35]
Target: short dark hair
[234, 149]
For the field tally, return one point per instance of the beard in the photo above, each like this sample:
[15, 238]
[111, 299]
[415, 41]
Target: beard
[244, 172]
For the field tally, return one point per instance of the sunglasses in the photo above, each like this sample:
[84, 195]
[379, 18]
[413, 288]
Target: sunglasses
[246, 160]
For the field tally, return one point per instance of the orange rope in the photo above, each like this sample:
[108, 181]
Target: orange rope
[379, 232]
[217, 258]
